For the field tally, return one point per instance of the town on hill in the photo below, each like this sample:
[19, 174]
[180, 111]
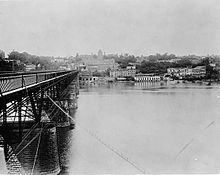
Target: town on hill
[119, 66]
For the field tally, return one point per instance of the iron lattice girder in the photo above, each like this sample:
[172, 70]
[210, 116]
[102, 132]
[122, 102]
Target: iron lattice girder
[29, 101]
[34, 88]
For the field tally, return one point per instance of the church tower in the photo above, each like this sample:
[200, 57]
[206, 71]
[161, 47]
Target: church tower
[100, 54]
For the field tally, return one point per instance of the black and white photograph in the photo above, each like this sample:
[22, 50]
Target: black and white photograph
[109, 87]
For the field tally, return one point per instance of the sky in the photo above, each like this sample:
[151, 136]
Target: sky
[139, 27]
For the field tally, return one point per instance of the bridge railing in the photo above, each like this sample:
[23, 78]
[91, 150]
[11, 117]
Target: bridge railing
[12, 81]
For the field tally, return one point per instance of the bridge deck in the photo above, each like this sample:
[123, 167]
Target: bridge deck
[16, 83]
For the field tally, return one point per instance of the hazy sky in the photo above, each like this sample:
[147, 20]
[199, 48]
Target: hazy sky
[65, 27]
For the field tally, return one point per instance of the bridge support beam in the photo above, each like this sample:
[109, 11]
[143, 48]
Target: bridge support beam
[33, 105]
[58, 90]
[40, 106]
[4, 114]
[24, 98]
[19, 118]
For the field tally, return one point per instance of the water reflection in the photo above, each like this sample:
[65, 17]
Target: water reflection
[47, 160]
[65, 141]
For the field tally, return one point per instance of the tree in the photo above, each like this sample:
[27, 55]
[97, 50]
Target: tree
[184, 63]
[211, 73]
[2, 55]
[14, 55]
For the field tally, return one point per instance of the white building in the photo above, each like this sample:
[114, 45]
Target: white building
[181, 72]
[30, 67]
[146, 77]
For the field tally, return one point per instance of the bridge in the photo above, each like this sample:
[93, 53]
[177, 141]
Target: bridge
[31, 105]
[26, 99]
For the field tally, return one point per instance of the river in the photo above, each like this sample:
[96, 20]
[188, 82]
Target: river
[151, 127]
[131, 128]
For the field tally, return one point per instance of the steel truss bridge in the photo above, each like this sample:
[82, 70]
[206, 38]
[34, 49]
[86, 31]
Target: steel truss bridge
[25, 99]
[37, 100]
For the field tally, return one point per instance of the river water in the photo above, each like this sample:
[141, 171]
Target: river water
[156, 127]
[131, 128]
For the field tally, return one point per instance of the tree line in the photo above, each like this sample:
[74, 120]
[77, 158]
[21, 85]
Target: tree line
[22, 59]
[159, 63]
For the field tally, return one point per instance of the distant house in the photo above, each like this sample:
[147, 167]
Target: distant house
[198, 71]
[100, 64]
[217, 65]
[146, 77]
[129, 71]
[96, 63]
[30, 67]
[60, 60]
[64, 67]
[169, 60]
[86, 77]
[178, 71]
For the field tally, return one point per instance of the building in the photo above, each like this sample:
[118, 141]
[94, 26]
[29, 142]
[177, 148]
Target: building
[174, 60]
[100, 65]
[146, 77]
[178, 71]
[64, 67]
[95, 63]
[30, 67]
[199, 71]
[100, 54]
[182, 72]
[217, 65]
[129, 71]
[86, 77]
[59, 60]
